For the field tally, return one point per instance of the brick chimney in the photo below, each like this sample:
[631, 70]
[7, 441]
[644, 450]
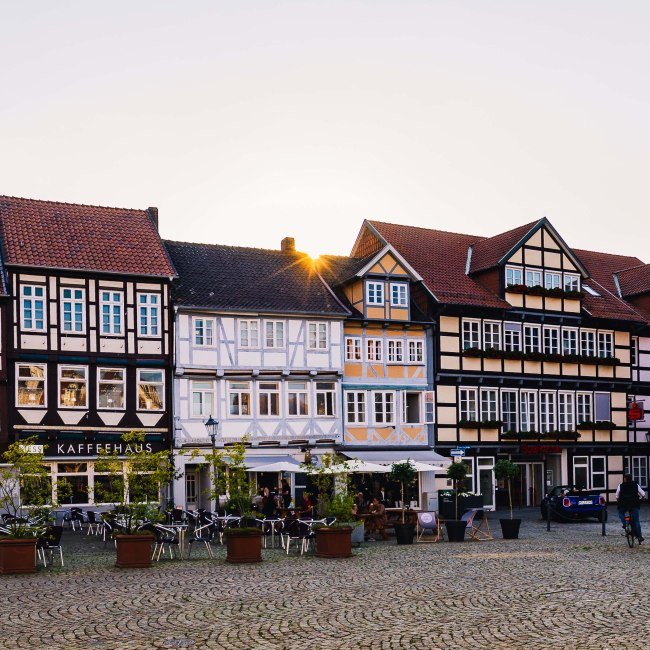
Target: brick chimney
[288, 245]
[153, 215]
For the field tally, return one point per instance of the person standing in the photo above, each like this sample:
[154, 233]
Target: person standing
[286, 493]
[628, 496]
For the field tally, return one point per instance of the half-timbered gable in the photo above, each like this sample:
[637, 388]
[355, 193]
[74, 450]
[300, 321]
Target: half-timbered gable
[91, 345]
[259, 338]
[533, 352]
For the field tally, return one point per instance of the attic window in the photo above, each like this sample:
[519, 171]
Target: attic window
[590, 291]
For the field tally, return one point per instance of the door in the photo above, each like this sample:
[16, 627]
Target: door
[486, 481]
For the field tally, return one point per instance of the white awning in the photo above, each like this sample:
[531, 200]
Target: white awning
[430, 458]
[281, 466]
[252, 462]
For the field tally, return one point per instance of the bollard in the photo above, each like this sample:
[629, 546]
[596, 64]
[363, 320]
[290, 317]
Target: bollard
[548, 518]
[603, 520]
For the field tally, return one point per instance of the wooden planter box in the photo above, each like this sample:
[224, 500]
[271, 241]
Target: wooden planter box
[334, 542]
[18, 556]
[133, 551]
[243, 547]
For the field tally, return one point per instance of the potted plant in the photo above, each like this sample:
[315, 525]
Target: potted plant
[506, 470]
[133, 483]
[243, 544]
[24, 481]
[335, 541]
[456, 527]
[404, 474]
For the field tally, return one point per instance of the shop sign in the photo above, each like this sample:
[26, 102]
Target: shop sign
[32, 449]
[536, 450]
[635, 412]
[73, 448]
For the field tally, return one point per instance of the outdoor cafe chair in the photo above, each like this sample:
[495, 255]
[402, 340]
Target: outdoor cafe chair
[298, 531]
[480, 531]
[110, 528]
[94, 522]
[202, 535]
[50, 541]
[427, 521]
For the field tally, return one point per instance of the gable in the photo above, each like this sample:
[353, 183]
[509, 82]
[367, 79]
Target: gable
[542, 250]
[388, 265]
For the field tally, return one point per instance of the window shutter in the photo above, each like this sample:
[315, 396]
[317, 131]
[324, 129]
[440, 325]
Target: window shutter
[429, 407]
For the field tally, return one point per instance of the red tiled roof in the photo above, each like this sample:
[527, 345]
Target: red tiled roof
[49, 234]
[634, 281]
[440, 257]
[487, 252]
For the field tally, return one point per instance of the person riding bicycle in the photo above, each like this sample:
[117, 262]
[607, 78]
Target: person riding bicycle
[629, 495]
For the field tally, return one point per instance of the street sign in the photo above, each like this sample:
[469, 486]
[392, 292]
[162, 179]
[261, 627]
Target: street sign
[457, 452]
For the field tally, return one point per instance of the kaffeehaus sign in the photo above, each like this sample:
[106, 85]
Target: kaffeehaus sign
[91, 449]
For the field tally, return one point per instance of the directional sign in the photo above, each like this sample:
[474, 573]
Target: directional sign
[457, 452]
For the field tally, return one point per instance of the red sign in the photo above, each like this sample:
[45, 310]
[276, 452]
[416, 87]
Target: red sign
[635, 411]
[534, 450]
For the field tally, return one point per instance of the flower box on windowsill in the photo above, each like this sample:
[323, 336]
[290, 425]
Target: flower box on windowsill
[520, 435]
[484, 424]
[603, 425]
[538, 290]
[560, 435]
[493, 353]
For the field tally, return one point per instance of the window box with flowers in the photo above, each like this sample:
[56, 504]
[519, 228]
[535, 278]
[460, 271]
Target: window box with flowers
[598, 424]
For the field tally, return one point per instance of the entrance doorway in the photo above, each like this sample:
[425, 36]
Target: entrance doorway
[486, 481]
[528, 487]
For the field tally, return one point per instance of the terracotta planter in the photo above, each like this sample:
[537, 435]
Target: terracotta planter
[243, 547]
[334, 542]
[18, 555]
[133, 551]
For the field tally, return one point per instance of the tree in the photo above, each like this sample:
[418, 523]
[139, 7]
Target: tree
[506, 470]
[457, 473]
[405, 474]
[331, 472]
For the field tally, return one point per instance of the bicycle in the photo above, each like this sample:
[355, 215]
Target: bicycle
[630, 532]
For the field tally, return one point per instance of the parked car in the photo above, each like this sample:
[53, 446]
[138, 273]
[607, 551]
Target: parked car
[566, 502]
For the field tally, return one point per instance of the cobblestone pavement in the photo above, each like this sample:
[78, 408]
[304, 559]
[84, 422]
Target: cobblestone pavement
[570, 588]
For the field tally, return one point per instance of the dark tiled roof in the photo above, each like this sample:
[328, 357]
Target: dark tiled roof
[337, 269]
[487, 252]
[634, 281]
[249, 279]
[48, 234]
[439, 257]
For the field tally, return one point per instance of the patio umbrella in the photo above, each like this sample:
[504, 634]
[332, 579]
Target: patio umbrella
[280, 466]
[426, 467]
[356, 466]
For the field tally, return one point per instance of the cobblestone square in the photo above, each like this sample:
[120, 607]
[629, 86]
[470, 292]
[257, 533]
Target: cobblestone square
[570, 588]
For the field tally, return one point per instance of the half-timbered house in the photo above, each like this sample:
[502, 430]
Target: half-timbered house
[259, 340]
[88, 331]
[531, 353]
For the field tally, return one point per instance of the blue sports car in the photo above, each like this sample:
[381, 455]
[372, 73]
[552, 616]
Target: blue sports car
[566, 502]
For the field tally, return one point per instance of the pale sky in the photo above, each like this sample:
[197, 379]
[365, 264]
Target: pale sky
[247, 121]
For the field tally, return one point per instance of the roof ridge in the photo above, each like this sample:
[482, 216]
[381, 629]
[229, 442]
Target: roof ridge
[632, 268]
[78, 205]
[233, 246]
[586, 250]
[448, 232]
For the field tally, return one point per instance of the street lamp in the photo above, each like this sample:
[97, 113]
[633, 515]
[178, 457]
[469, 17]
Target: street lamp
[212, 427]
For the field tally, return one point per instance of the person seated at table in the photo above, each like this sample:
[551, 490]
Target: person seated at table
[307, 506]
[258, 501]
[378, 519]
[359, 503]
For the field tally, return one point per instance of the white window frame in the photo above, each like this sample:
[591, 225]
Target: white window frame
[552, 280]
[534, 273]
[468, 404]
[510, 392]
[121, 382]
[634, 351]
[547, 411]
[593, 472]
[581, 462]
[386, 399]
[588, 343]
[61, 380]
[569, 280]
[395, 350]
[196, 388]
[566, 411]
[294, 389]
[528, 410]
[493, 327]
[415, 351]
[317, 336]
[570, 334]
[250, 338]
[513, 271]
[139, 382]
[605, 344]
[115, 320]
[378, 289]
[512, 337]
[39, 379]
[471, 333]
[277, 334]
[264, 388]
[77, 325]
[584, 407]
[405, 393]
[402, 294]
[429, 397]
[359, 405]
[374, 350]
[329, 396]
[556, 336]
[33, 300]
[239, 388]
[639, 470]
[150, 311]
[353, 349]
[204, 328]
[490, 403]
[529, 339]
